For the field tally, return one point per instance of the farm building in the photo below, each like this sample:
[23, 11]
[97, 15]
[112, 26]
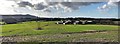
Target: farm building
[107, 21]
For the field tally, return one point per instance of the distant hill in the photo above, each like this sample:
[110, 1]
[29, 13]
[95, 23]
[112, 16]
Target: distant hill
[17, 18]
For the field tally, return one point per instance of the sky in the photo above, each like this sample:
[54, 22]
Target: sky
[65, 8]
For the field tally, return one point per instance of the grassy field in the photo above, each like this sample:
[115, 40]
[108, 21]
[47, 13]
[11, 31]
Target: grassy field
[51, 32]
[29, 28]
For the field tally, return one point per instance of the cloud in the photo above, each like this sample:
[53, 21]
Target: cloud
[24, 4]
[39, 6]
[109, 5]
[77, 5]
[47, 7]
[6, 7]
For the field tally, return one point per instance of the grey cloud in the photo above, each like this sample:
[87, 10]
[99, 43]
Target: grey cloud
[24, 4]
[39, 6]
[78, 0]
[47, 10]
[52, 3]
[76, 5]
[71, 5]
[117, 3]
[56, 5]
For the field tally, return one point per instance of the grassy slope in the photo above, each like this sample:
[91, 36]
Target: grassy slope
[109, 36]
[28, 28]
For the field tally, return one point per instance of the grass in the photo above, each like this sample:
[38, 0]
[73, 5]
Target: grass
[29, 28]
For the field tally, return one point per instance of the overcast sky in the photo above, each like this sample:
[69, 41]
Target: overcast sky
[61, 8]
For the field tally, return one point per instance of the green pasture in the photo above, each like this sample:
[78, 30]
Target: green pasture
[49, 27]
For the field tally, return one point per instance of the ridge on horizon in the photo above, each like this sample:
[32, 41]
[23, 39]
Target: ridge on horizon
[62, 17]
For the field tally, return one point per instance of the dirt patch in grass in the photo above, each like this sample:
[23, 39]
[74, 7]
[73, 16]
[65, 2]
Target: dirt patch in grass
[88, 31]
